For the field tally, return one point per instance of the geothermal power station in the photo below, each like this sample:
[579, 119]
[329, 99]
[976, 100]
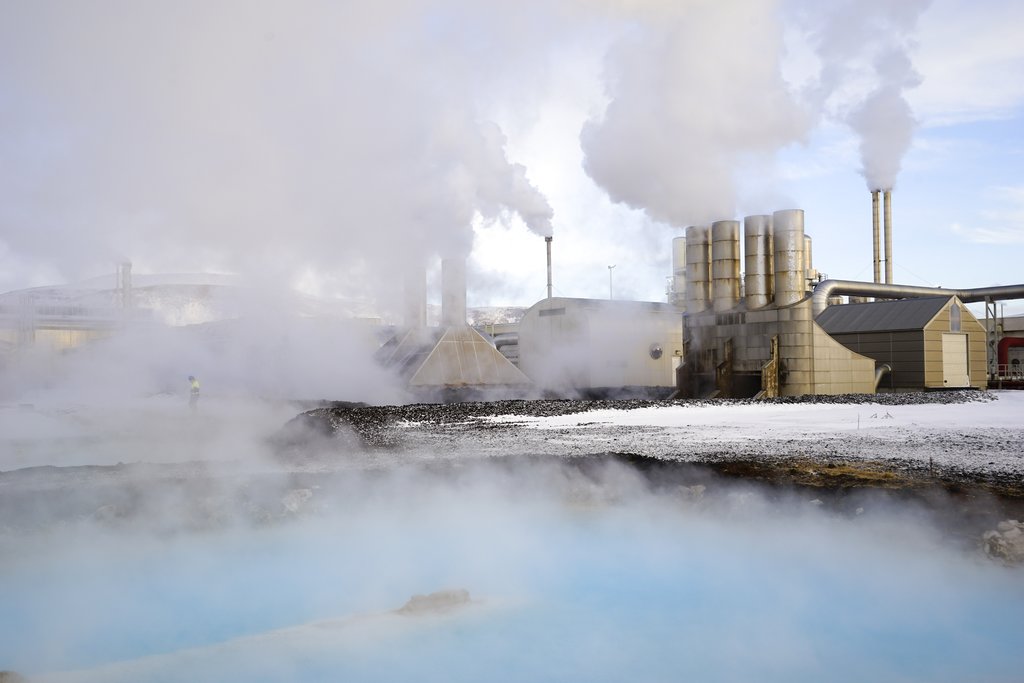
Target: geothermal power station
[747, 315]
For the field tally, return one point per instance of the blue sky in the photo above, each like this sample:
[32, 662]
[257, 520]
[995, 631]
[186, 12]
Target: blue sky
[329, 147]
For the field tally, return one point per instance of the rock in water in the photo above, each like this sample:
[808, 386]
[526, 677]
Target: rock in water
[11, 677]
[435, 603]
[1005, 542]
[293, 501]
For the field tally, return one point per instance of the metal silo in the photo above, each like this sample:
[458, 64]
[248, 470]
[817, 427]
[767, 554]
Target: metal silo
[698, 268]
[788, 234]
[679, 271]
[725, 265]
[758, 258]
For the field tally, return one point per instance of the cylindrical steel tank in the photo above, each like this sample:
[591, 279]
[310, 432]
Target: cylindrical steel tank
[679, 272]
[725, 265]
[788, 233]
[698, 268]
[758, 258]
[453, 292]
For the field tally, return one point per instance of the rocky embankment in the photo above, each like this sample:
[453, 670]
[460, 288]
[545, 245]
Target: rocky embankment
[843, 453]
[971, 477]
[885, 454]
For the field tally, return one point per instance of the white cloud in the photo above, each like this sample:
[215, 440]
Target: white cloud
[1002, 223]
[970, 57]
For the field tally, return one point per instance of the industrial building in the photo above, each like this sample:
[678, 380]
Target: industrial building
[453, 361]
[601, 347]
[748, 315]
[928, 342]
[791, 333]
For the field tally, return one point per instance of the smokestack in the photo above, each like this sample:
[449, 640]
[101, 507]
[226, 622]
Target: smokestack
[875, 262]
[124, 284]
[453, 292]
[888, 237]
[547, 242]
[416, 297]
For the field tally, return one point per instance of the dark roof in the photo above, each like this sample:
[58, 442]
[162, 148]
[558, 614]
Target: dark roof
[881, 316]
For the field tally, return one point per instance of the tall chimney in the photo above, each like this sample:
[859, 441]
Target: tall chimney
[124, 284]
[888, 237]
[547, 241]
[453, 292]
[416, 297]
[875, 262]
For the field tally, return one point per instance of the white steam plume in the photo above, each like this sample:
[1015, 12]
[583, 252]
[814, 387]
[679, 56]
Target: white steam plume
[695, 90]
[885, 122]
[864, 48]
[255, 137]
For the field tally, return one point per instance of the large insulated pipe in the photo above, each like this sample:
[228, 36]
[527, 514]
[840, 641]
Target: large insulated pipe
[453, 292]
[788, 234]
[679, 272]
[829, 288]
[416, 297]
[698, 268]
[757, 259]
[876, 248]
[547, 242]
[888, 237]
[725, 265]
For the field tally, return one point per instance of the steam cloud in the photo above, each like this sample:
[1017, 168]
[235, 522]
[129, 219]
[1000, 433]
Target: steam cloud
[254, 137]
[356, 140]
[696, 94]
[843, 36]
[695, 90]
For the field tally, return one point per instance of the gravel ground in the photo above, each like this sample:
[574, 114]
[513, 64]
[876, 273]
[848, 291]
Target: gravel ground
[679, 431]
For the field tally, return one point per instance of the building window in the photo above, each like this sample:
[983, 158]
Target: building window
[954, 318]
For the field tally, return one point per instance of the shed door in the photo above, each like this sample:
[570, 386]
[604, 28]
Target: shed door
[954, 361]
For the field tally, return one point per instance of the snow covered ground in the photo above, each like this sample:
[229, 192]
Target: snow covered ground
[973, 434]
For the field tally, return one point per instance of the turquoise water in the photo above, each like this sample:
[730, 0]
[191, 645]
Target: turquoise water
[629, 586]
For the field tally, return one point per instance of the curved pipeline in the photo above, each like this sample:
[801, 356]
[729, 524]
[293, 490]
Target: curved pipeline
[826, 288]
[880, 372]
[506, 339]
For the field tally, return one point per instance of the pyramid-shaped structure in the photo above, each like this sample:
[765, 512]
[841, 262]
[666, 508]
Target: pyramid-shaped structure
[461, 357]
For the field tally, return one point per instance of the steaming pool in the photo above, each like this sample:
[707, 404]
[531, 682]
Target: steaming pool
[571, 577]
